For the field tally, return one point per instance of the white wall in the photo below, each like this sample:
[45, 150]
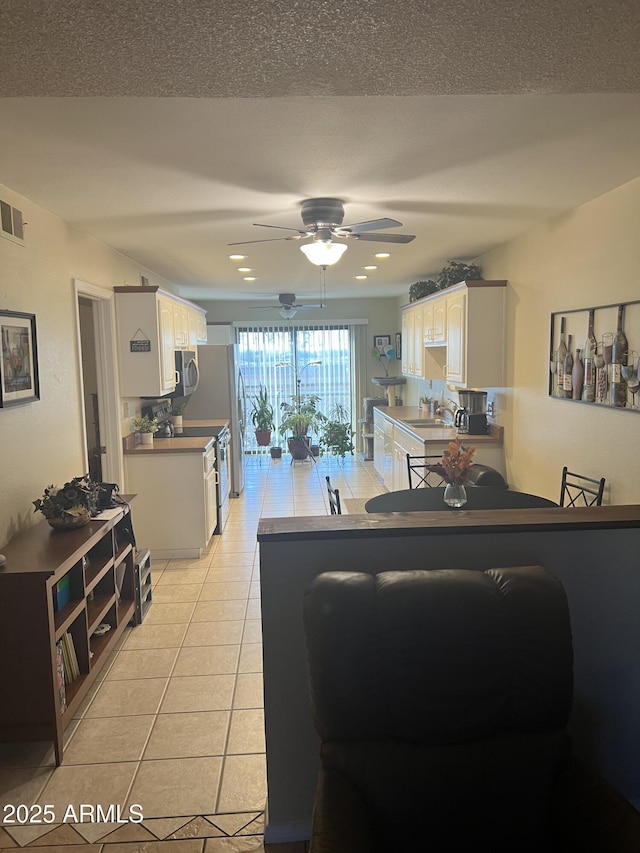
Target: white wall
[588, 257]
[42, 442]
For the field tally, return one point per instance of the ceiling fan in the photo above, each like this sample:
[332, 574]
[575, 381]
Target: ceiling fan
[322, 220]
[289, 306]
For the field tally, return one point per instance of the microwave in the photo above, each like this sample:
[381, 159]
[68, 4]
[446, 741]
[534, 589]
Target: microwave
[186, 373]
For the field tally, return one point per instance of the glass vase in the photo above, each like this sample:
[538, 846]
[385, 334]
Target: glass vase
[455, 495]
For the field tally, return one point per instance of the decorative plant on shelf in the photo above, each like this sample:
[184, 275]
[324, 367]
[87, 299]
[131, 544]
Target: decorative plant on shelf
[300, 417]
[262, 417]
[388, 353]
[337, 435]
[70, 506]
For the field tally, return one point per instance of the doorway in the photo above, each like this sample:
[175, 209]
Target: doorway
[98, 382]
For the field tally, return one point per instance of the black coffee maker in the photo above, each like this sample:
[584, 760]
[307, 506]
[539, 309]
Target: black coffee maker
[474, 406]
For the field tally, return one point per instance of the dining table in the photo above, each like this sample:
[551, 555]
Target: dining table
[431, 499]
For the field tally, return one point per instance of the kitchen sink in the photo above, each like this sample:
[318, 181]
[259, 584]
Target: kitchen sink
[436, 423]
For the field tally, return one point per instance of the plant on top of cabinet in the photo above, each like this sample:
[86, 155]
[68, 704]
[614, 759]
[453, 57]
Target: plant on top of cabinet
[422, 288]
[455, 272]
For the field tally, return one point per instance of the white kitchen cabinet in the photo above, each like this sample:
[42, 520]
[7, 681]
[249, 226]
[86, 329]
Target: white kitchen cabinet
[152, 324]
[176, 509]
[472, 351]
[403, 443]
[378, 446]
[434, 322]
[412, 336]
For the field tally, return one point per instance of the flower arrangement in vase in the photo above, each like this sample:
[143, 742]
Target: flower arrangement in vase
[454, 469]
[71, 505]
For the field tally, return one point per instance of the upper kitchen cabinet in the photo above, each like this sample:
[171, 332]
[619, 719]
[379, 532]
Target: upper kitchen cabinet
[470, 353]
[152, 325]
[412, 334]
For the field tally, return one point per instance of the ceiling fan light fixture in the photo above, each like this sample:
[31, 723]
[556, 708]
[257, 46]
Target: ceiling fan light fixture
[323, 253]
[287, 314]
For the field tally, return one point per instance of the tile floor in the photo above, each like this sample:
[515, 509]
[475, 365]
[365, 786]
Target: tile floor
[175, 722]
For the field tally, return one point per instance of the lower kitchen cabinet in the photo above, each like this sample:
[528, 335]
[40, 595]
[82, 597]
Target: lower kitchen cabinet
[176, 508]
[65, 599]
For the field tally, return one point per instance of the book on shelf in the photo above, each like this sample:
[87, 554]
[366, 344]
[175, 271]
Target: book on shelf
[60, 677]
[70, 659]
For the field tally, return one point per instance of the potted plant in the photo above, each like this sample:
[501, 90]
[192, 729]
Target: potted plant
[300, 417]
[72, 505]
[337, 434]
[145, 427]
[177, 411]
[262, 417]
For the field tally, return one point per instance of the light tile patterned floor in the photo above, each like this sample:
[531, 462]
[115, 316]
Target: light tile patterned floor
[175, 722]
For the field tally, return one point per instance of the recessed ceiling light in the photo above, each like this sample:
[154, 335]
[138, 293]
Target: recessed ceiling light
[249, 278]
[370, 267]
[360, 277]
[383, 255]
[244, 269]
[237, 257]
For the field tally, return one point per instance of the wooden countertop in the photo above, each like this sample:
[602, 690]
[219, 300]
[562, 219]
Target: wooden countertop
[195, 444]
[192, 444]
[460, 522]
[215, 422]
[434, 435]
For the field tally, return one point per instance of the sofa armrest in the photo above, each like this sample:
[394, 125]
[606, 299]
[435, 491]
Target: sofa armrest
[340, 821]
[591, 815]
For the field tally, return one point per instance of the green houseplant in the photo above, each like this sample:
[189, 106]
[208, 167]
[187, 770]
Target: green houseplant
[146, 427]
[262, 417]
[337, 434]
[300, 417]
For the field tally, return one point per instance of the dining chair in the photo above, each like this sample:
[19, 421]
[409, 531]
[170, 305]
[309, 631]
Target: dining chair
[577, 488]
[417, 470]
[334, 498]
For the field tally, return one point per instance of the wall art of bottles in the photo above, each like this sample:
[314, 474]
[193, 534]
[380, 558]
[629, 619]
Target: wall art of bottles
[594, 355]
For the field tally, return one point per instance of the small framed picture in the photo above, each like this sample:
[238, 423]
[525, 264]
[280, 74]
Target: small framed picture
[19, 363]
[381, 341]
[398, 345]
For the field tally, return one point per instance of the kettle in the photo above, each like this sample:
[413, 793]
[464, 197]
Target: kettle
[461, 420]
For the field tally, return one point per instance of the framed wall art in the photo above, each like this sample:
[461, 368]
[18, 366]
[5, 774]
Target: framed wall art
[381, 341]
[19, 363]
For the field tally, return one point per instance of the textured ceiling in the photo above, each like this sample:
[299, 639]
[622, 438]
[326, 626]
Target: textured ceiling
[166, 129]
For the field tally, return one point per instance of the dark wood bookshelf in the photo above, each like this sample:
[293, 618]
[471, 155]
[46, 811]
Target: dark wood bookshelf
[37, 560]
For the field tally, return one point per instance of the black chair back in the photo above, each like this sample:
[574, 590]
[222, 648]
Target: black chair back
[578, 490]
[419, 477]
[334, 498]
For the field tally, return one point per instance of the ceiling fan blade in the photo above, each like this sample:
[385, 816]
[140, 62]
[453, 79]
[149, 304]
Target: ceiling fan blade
[283, 228]
[310, 305]
[371, 225]
[384, 238]
[270, 239]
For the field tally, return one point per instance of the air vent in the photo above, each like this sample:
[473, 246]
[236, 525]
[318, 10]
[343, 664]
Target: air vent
[11, 223]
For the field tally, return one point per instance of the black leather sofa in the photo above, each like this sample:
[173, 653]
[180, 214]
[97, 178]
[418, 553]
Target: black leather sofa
[441, 699]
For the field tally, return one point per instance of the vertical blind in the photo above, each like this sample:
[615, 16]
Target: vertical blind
[275, 356]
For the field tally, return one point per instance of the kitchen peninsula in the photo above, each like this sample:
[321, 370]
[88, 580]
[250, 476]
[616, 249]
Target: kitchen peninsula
[592, 550]
[177, 481]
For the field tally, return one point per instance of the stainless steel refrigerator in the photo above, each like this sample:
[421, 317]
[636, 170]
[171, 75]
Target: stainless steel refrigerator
[220, 394]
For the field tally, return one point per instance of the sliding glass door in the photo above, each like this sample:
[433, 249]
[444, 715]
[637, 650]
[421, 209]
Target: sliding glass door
[316, 358]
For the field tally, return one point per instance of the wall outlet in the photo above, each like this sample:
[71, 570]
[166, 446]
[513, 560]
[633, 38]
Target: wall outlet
[125, 410]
